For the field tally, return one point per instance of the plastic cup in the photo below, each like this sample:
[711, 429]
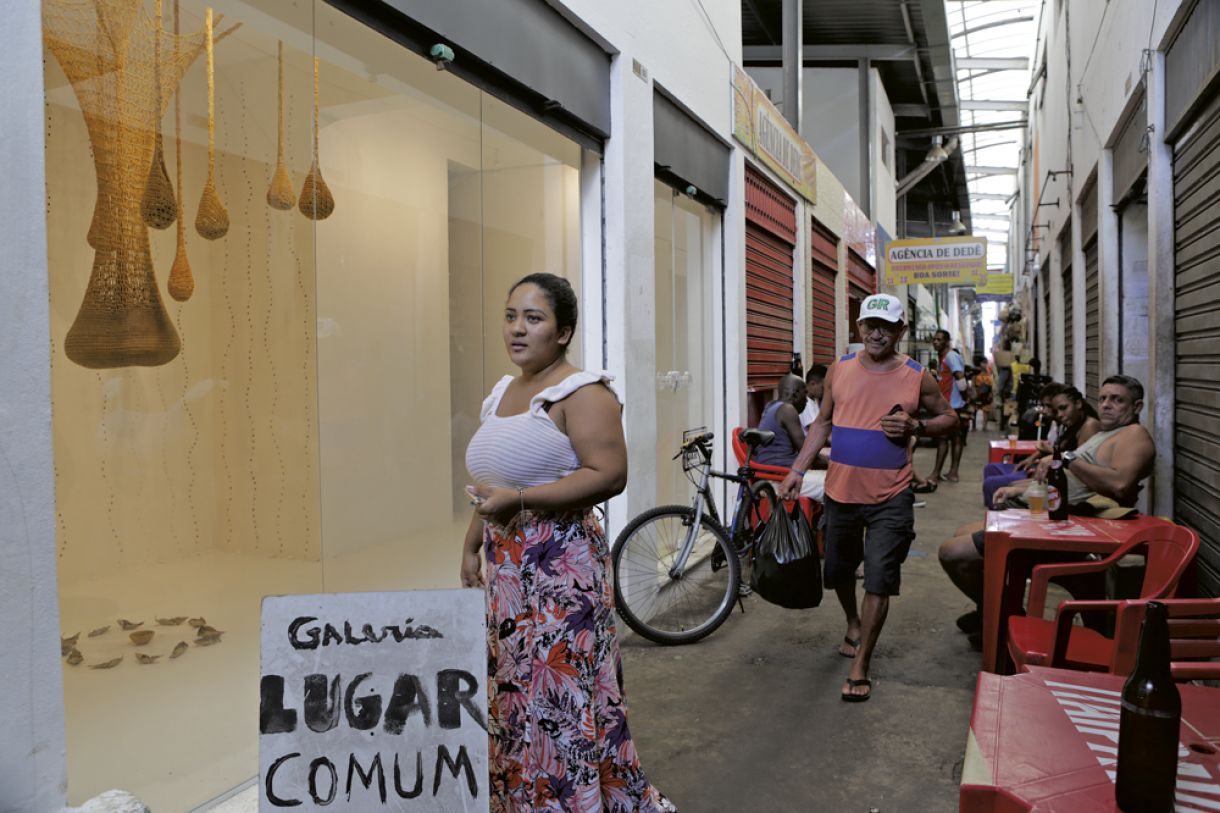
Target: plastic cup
[1012, 442]
[1037, 503]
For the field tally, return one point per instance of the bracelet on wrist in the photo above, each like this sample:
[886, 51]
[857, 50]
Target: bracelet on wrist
[797, 472]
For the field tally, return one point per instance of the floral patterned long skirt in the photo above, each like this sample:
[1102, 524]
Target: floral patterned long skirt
[558, 724]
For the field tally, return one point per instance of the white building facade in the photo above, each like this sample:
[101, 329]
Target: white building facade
[276, 398]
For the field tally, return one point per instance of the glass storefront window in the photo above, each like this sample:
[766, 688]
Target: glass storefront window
[298, 422]
[684, 339]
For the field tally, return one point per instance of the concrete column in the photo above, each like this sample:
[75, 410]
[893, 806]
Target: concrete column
[1159, 390]
[730, 296]
[33, 767]
[864, 76]
[630, 272]
[793, 34]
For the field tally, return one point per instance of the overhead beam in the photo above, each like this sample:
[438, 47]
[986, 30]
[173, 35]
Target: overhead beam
[911, 111]
[976, 216]
[974, 169]
[988, 63]
[969, 128]
[812, 54]
[966, 32]
[989, 196]
[1012, 105]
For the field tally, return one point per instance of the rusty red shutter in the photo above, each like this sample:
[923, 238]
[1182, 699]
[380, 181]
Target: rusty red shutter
[860, 274]
[770, 239]
[825, 250]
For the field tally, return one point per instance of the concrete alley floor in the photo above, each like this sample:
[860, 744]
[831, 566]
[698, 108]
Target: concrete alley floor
[750, 719]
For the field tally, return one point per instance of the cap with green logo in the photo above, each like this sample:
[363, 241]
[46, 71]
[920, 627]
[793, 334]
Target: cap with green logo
[882, 306]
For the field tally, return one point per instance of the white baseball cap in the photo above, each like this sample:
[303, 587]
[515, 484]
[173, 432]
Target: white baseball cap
[882, 306]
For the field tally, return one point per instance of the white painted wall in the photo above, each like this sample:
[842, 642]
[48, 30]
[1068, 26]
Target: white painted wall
[33, 772]
[1075, 112]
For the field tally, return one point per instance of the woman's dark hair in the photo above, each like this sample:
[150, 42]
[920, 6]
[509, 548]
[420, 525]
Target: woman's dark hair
[1067, 439]
[1050, 389]
[559, 295]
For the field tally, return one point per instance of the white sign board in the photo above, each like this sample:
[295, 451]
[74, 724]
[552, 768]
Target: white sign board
[374, 702]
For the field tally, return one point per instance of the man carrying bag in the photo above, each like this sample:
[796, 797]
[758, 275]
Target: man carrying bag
[787, 570]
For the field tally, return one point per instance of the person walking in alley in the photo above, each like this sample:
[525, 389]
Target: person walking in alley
[870, 399]
[783, 417]
[951, 375]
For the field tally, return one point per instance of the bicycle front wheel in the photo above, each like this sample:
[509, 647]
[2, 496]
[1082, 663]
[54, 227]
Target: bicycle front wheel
[661, 604]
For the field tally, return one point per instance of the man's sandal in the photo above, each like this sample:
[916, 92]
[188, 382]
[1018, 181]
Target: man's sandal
[852, 683]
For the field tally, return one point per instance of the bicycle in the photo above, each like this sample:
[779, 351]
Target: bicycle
[677, 571]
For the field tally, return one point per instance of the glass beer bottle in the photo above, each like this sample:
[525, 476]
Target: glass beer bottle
[1057, 490]
[1149, 724]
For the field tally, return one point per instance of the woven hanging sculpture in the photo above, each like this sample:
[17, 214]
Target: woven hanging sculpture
[159, 207]
[108, 50]
[316, 201]
[212, 219]
[280, 194]
[181, 282]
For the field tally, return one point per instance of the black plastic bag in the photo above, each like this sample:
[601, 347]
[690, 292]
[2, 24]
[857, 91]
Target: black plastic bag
[787, 570]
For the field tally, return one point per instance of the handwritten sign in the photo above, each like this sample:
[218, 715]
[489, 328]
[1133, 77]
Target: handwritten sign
[374, 701]
[929, 261]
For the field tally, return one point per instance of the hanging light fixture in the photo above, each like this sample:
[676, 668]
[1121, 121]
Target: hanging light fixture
[957, 226]
[937, 153]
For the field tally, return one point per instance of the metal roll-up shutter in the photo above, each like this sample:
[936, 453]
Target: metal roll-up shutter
[1092, 301]
[1196, 291]
[825, 251]
[770, 241]
[1046, 311]
[860, 274]
[1069, 352]
[1092, 323]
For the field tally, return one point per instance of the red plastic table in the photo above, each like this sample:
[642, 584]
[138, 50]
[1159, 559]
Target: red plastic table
[1046, 741]
[1015, 543]
[1001, 451]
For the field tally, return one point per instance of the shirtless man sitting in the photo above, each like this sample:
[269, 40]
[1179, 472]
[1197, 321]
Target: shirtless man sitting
[1111, 463]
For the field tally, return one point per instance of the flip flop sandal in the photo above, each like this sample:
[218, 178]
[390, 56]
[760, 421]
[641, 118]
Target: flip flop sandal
[926, 488]
[855, 684]
[854, 644]
[952, 479]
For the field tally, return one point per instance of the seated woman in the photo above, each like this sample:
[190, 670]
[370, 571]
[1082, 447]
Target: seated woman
[1075, 422]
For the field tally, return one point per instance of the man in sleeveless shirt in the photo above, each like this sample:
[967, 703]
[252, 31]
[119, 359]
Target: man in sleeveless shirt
[870, 399]
[783, 417]
[1111, 464]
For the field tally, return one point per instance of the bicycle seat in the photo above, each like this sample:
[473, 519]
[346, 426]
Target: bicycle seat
[756, 437]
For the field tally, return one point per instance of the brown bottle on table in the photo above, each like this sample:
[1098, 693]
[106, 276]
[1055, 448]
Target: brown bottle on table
[1057, 490]
[1149, 724]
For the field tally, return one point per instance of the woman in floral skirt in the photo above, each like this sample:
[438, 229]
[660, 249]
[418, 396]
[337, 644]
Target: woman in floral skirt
[550, 447]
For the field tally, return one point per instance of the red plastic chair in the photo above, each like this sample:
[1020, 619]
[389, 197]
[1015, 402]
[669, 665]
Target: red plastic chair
[763, 471]
[1034, 641]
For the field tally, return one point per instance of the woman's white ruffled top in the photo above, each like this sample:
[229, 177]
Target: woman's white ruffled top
[526, 449]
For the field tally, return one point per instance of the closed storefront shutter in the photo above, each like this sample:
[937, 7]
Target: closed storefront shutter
[825, 251]
[770, 240]
[861, 281]
[1092, 324]
[1196, 176]
[1046, 313]
[1069, 352]
[1092, 302]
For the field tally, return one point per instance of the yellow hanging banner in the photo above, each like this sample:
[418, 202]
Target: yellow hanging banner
[995, 283]
[936, 260]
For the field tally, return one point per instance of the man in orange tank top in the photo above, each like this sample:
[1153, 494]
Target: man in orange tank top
[870, 399]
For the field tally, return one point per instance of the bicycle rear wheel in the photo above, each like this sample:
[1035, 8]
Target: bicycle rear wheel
[666, 608]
